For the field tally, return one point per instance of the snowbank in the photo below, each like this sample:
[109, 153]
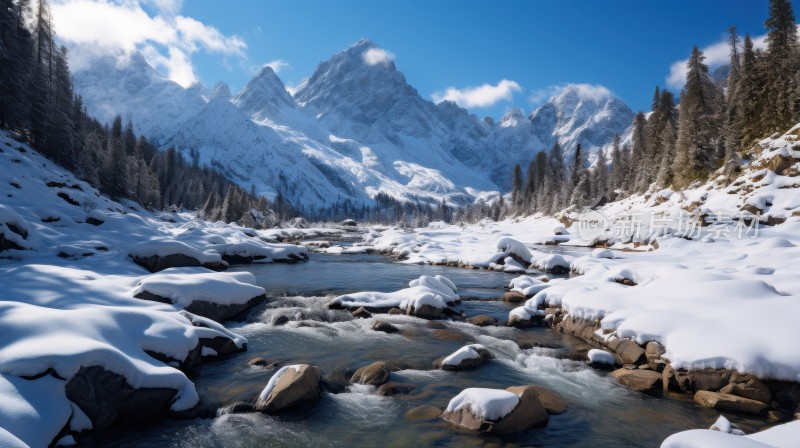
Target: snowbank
[781, 436]
[183, 286]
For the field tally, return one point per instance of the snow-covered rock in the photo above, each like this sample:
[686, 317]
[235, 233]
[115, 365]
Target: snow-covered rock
[218, 296]
[291, 386]
[157, 255]
[496, 411]
[425, 297]
[472, 355]
[599, 357]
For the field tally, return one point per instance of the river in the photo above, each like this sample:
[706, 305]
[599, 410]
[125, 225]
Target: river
[600, 412]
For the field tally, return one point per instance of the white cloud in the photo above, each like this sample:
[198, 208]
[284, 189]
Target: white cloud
[485, 95]
[585, 91]
[93, 28]
[375, 56]
[717, 55]
[168, 7]
[277, 65]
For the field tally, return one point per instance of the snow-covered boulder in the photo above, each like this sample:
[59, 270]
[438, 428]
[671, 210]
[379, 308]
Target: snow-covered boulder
[600, 253]
[216, 295]
[96, 217]
[425, 297]
[109, 364]
[553, 263]
[349, 223]
[514, 249]
[13, 230]
[256, 251]
[468, 356]
[496, 411]
[291, 386]
[529, 313]
[601, 359]
[157, 255]
[528, 286]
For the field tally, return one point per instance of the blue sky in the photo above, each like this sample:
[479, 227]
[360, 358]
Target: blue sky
[627, 46]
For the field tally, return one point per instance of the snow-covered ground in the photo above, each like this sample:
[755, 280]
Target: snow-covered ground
[69, 280]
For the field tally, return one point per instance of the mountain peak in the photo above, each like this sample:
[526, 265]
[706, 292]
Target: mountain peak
[264, 96]
[581, 113]
[513, 117]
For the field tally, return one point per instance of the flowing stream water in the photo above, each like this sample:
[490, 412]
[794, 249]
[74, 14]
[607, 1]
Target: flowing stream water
[600, 412]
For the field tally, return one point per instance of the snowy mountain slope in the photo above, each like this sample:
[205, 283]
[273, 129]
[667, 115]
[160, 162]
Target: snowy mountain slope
[353, 130]
[134, 90]
[516, 142]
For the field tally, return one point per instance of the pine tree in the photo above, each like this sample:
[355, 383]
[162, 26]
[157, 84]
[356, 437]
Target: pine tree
[582, 193]
[618, 168]
[577, 166]
[600, 176]
[639, 152]
[62, 136]
[516, 185]
[782, 64]
[118, 166]
[733, 134]
[748, 99]
[699, 124]
[531, 187]
[554, 180]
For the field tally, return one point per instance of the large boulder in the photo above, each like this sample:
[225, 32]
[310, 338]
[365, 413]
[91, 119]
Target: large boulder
[155, 263]
[509, 411]
[391, 389]
[646, 381]
[628, 350]
[550, 400]
[374, 374]
[107, 398]
[514, 297]
[747, 386]
[290, 387]
[219, 312]
[482, 320]
[386, 327]
[468, 356]
[732, 403]
[692, 381]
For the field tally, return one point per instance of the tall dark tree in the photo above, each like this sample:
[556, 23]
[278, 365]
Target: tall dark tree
[516, 185]
[733, 134]
[577, 166]
[639, 151]
[699, 124]
[782, 64]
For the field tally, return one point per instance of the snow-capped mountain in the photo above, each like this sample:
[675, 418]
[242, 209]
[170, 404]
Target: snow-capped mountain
[136, 91]
[353, 130]
[589, 115]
